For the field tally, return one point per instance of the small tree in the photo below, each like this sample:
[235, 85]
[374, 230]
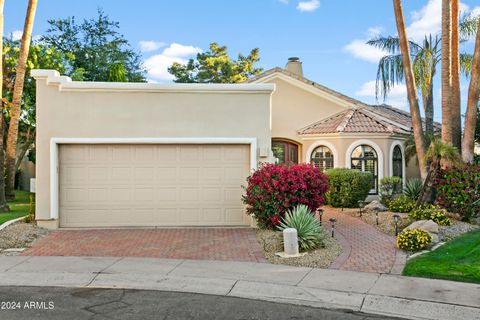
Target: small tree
[216, 66]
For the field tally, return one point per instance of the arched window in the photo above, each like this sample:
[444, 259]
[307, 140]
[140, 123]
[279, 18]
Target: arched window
[322, 158]
[397, 162]
[285, 151]
[364, 158]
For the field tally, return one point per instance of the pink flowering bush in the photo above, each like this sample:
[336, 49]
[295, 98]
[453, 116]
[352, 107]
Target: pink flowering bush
[274, 189]
[458, 190]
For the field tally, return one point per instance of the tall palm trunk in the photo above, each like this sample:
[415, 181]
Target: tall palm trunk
[472, 104]
[3, 200]
[411, 89]
[17, 99]
[447, 71]
[428, 107]
[456, 112]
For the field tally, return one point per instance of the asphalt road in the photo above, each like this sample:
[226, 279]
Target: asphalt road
[73, 303]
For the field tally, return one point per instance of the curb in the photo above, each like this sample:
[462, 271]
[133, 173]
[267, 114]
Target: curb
[9, 222]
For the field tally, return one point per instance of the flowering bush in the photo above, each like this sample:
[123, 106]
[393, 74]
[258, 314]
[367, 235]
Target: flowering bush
[430, 212]
[274, 189]
[401, 204]
[348, 186]
[458, 190]
[413, 239]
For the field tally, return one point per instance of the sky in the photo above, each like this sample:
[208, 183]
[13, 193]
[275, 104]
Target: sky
[327, 35]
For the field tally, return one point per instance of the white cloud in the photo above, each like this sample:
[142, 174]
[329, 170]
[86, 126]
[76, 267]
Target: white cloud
[397, 96]
[283, 1]
[308, 6]
[428, 20]
[157, 65]
[17, 35]
[361, 50]
[147, 46]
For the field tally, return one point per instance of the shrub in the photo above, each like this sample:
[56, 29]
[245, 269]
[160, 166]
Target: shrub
[309, 230]
[458, 190]
[413, 239]
[430, 212]
[413, 188]
[274, 189]
[348, 186]
[401, 204]
[389, 187]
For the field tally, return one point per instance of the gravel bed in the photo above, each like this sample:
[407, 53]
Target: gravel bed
[20, 235]
[271, 242]
[446, 233]
[386, 222]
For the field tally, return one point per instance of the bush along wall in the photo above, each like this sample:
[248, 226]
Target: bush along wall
[458, 190]
[274, 189]
[347, 187]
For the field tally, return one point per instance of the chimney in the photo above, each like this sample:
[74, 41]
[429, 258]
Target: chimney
[294, 65]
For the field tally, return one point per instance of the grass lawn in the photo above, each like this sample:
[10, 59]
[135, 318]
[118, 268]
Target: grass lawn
[18, 208]
[457, 260]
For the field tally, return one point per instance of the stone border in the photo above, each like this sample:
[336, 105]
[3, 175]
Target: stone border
[9, 222]
[346, 250]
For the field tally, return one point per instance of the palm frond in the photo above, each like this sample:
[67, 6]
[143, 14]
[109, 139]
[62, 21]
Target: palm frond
[392, 44]
[468, 27]
[389, 73]
[466, 61]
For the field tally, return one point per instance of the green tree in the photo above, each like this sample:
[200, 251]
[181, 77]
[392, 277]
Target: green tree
[216, 66]
[101, 52]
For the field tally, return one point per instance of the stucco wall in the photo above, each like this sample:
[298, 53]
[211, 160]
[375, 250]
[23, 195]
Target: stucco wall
[99, 110]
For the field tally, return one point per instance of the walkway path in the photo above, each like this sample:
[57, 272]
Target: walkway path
[365, 248]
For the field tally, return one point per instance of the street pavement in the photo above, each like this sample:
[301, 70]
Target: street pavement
[337, 290]
[93, 303]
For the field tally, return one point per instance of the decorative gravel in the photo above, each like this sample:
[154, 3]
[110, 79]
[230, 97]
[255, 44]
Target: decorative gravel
[457, 228]
[19, 235]
[271, 242]
[386, 222]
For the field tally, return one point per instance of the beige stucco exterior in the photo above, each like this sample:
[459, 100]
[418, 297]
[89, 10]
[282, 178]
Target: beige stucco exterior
[81, 112]
[296, 104]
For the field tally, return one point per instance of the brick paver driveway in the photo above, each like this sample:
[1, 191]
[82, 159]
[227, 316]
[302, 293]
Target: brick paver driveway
[238, 244]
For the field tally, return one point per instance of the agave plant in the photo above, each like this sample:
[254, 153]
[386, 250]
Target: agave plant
[413, 188]
[309, 230]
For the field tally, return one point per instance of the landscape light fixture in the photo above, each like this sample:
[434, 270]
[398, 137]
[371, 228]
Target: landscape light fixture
[396, 217]
[376, 217]
[333, 220]
[320, 214]
[361, 204]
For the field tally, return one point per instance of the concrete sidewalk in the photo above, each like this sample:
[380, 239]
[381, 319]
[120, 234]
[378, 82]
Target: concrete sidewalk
[383, 294]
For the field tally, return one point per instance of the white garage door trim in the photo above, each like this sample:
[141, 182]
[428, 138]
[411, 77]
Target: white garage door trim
[55, 142]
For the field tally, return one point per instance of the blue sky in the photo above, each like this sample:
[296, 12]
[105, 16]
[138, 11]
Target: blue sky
[327, 35]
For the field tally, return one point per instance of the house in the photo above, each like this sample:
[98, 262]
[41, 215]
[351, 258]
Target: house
[312, 123]
[144, 154]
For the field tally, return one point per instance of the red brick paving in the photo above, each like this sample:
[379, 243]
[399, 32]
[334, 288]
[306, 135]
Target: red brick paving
[365, 248]
[238, 244]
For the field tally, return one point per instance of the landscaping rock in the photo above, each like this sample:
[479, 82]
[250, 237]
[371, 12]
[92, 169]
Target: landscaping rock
[457, 228]
[426, 225]
[19, 235]
[375, 206]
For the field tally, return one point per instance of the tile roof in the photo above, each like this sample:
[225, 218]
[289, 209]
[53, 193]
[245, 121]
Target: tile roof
[360, 120]
[373, 118]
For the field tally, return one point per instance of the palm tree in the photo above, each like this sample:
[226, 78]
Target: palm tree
[456, 114]
[447, 71]
[3, 200]
[411, 88]
[472, 104]
[426, 57]
[17, 100]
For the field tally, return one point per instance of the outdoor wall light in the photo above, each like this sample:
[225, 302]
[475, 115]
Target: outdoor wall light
[361, 204]
[333, 220]
[320, 214]
[396, 217]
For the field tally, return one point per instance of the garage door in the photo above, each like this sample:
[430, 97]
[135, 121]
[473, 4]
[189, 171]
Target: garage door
[152, 185]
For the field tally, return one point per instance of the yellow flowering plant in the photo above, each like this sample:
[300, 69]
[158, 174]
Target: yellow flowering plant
[413, 239]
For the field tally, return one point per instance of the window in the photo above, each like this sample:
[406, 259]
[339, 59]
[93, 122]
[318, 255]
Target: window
[322, 158]
[364, 158]
[397, 162]
[286, 152]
